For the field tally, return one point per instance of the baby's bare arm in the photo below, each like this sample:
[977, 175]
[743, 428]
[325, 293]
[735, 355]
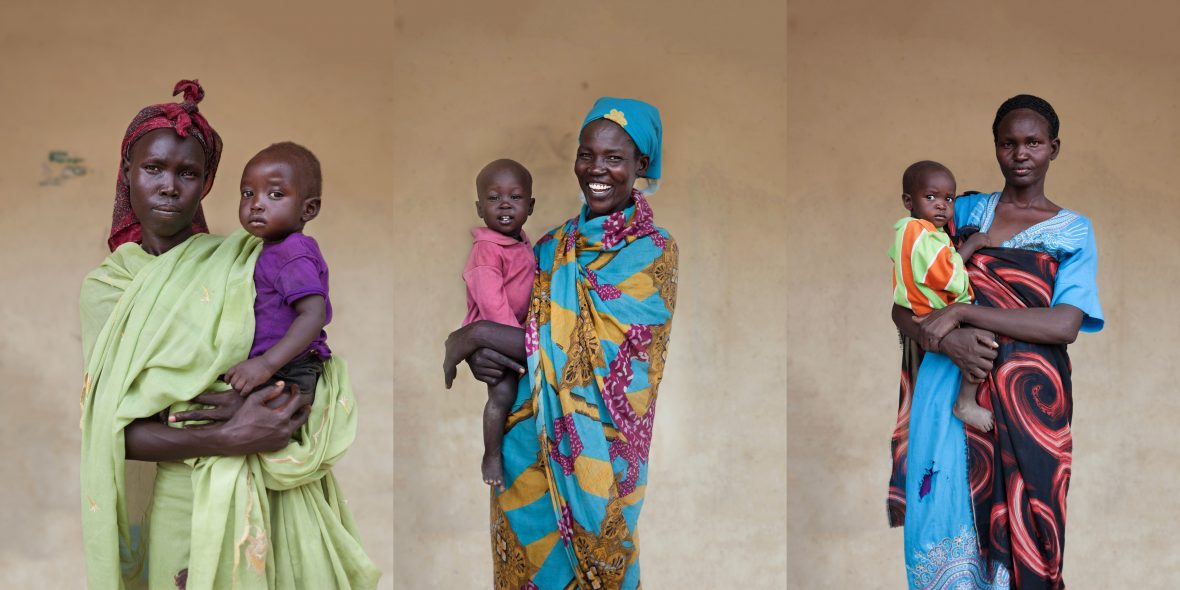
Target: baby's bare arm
[312, 314]
[973, 244]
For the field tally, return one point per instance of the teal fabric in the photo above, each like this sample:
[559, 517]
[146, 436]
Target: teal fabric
[640, 120]
[576, 443]
[1068, 236]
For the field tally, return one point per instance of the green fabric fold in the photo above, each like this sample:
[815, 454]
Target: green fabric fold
[157, 331]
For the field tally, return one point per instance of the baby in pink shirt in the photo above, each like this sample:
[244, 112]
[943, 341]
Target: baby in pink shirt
[499, 276]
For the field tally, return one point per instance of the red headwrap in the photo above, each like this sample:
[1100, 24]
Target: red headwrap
[184, 119]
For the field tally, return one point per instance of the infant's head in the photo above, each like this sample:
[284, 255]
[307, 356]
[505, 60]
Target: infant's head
[504, 193]
[928, 192]
[281, 188]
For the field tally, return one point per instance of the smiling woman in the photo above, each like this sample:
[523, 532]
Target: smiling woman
[607, 165]
[575, 446]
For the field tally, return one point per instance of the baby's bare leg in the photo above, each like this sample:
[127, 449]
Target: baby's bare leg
[495, 414]
[968, 410]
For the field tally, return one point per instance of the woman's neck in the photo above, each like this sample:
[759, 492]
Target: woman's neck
[1025, 197]
[157, 245]
[590, 214]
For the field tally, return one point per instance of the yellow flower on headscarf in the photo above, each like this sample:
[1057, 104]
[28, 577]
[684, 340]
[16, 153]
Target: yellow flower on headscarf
[617, 116]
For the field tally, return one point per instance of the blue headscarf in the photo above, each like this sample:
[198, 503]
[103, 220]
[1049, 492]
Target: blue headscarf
[640, 120]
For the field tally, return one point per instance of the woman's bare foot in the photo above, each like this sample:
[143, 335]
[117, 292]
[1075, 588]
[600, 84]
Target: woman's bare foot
[974, 415]
[493, 470]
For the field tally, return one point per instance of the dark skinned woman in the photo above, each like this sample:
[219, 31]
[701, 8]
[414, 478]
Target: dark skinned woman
[247, 501]
[577, 439]
[989, 508]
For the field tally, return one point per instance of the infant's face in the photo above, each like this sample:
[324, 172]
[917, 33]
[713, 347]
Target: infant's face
[932, 197]
[273, 205]
[505, 202]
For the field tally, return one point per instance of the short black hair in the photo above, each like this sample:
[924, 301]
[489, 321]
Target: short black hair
[1036, 104]
[910, 176]
[307, 166]
[504, 164]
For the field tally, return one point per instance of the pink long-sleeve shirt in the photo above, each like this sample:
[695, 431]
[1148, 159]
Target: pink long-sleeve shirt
[499, 276]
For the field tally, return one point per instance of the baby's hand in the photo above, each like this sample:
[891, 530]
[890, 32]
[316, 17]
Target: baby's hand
[248, 374]
[980, 240]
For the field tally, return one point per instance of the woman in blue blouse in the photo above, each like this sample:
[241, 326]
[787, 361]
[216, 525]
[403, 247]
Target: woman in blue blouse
[989, 508]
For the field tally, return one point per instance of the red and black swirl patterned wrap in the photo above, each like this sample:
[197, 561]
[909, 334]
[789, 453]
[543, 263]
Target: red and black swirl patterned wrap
[1019, 473]
[911, 359]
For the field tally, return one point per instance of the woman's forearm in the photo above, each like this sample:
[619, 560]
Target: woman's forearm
[971, 349]
[1042, 325]
[150, 440]
[474, 342]
[259, 423]
[904, 320]
[506, 340]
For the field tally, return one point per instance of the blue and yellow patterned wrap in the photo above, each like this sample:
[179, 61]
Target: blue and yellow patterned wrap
[577, 439]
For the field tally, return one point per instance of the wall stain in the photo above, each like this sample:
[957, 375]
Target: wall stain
[60, 167]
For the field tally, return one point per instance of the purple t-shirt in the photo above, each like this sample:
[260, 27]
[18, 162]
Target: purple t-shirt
[287, 271]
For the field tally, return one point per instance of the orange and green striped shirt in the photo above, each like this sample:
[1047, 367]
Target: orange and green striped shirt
[928, 273]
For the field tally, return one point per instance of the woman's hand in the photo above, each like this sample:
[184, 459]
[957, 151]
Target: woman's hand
[460, 344]
[265, 421]
[934, 326]
[489, 348]
[972, 349]
[256, 427]
[489, 366]
[262, 422]
[225, 405]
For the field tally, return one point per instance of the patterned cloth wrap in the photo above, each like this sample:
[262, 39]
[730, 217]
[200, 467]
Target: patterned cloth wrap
[577, 439]
[185, 119]
[156, 332]
[1020, 473]
[987, 510]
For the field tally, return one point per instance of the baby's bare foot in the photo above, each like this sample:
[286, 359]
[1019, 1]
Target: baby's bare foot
[974, 415]
[493, 470]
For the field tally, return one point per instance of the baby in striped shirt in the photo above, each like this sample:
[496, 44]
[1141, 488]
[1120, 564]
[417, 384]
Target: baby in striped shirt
[928, 273]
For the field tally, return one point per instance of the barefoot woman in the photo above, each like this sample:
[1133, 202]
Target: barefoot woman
[1035, 291]
[577, 439]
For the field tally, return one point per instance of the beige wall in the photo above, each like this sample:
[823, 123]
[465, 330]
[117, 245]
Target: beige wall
[515, 82]
[402, 110]
[875, 86]
[74, 75]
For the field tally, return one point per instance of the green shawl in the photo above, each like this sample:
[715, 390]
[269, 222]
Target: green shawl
[156, 332]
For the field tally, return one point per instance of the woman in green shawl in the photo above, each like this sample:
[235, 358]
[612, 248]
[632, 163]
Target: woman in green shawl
[248, 500]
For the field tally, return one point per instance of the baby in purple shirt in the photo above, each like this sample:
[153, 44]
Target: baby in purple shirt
[280, 193]
[499, 276]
